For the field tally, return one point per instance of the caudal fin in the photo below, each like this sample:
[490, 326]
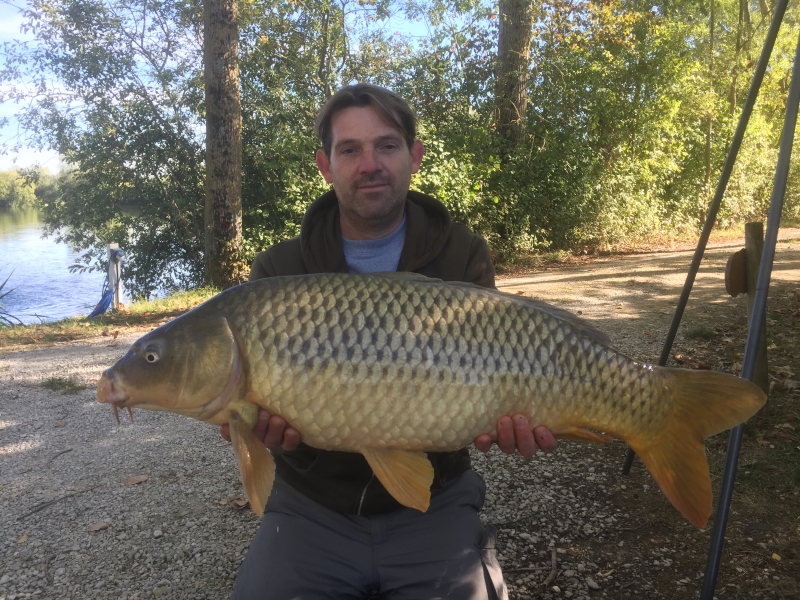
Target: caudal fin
[705, 403]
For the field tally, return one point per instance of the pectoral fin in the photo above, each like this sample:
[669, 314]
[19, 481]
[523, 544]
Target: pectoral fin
[407, 476]
[256, 465]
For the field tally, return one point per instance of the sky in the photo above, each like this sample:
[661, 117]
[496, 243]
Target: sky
[10, 22]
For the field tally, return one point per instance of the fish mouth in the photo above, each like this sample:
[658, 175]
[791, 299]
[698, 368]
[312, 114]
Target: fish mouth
[109, 392]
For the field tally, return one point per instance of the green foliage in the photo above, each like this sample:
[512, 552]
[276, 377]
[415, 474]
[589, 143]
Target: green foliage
[117, 96]
[15, 192]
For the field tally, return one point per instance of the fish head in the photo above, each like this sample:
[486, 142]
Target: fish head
[191, 366]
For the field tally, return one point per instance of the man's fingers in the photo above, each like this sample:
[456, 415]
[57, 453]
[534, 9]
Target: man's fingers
[225, 432]
[260, 428]
[505, 435]
[526, 444]
[483, 442]
[545, 438]
[291, 439]
[273, 438]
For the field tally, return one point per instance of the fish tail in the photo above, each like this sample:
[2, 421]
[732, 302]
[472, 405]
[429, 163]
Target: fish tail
[704, 403]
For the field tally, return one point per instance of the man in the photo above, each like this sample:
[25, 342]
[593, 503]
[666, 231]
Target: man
[331, 530]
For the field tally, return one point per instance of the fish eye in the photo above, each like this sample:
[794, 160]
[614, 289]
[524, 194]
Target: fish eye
[152, 354]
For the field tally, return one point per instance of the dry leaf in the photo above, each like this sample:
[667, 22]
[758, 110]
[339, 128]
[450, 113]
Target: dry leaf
[104, 332]
[115, 334]
[61, 423]
[647, 333]
[520, 292]
[224, 501]
[239, 502]
[181, 479]
[762, 441]
[776, 556]
[97, 527]
[23, 539]
[136, 479]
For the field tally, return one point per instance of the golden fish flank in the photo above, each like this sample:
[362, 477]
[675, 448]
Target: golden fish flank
[394, 365]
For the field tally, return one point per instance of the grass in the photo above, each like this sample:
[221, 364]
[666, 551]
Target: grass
[6, 318]
[700, 331]
[66, 385]
[142, 313]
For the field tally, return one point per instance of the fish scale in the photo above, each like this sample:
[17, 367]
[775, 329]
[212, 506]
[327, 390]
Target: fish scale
[397, 365]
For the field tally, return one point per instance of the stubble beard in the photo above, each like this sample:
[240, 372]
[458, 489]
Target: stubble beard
[375, 211]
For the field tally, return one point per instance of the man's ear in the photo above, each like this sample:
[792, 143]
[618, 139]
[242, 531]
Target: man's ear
[324, 166]
[417, 151]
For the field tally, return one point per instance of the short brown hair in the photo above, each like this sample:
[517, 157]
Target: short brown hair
[391, 107]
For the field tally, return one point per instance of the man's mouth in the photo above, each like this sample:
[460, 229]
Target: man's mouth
[368, 186]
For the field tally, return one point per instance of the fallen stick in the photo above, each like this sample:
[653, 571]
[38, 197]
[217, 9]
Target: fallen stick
[59, 454]
[49, 503]
[525, 569]
[553, 571]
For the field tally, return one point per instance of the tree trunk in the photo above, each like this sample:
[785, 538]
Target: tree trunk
[709, 119]
[742, 42]
[223, 210]
[513, 65]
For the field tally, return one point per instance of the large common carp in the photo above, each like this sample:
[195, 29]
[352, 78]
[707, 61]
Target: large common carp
[394, 365]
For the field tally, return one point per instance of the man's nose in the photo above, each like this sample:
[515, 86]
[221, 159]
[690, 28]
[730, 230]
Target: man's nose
[369, 161]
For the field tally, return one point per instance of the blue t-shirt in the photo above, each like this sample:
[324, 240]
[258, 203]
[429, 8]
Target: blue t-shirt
[375, 256]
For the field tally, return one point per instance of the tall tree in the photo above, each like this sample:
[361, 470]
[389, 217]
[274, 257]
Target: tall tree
[513, 67]
[223, 208]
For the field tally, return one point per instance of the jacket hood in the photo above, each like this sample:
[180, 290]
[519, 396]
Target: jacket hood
[428, 223]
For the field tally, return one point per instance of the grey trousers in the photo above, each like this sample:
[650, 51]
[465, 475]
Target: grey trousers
[304, 551]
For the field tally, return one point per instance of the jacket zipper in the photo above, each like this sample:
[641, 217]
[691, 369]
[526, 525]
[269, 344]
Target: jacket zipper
[363, 495]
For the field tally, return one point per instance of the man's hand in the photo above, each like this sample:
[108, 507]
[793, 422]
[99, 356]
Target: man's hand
[272, 430]
[514, 433]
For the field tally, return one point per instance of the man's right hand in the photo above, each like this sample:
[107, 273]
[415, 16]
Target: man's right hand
[273, 430]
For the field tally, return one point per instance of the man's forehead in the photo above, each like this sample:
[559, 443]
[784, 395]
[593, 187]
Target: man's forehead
[359, 122]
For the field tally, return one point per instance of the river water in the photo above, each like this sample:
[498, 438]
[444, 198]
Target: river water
[42, 287]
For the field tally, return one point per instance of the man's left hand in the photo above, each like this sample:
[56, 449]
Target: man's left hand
[514, 433]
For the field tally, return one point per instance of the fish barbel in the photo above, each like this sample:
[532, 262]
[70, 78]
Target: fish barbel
[394, 365]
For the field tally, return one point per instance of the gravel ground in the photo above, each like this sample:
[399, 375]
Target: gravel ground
[74, 524]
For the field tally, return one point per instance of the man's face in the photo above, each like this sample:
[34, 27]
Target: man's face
[370, 167]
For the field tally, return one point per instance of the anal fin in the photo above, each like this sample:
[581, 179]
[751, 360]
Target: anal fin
[256, 465]
[406, 475]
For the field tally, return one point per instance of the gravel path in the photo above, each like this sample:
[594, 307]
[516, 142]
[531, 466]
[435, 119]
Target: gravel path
[74, 525]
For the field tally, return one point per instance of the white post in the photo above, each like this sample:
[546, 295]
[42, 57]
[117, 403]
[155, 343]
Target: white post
[114, 282]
